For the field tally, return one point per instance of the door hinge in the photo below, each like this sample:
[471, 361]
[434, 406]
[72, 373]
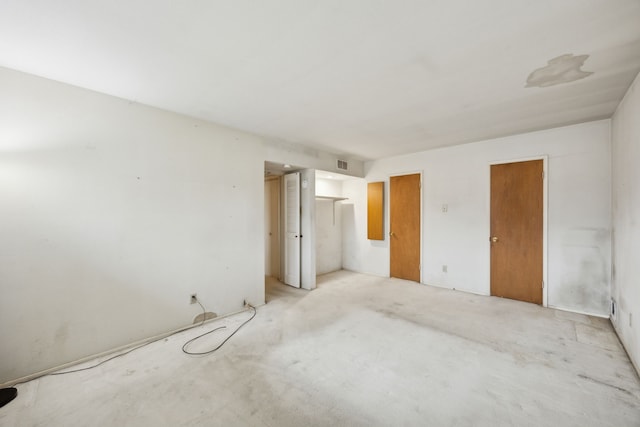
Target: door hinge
[543, 284]
[420, 267]
[542, 174]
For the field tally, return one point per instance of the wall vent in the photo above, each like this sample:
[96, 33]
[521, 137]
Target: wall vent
[342, 164]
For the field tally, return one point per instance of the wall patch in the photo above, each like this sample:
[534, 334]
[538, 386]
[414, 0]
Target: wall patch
[559, 70]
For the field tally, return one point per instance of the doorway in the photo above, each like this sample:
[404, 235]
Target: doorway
[404, 234]
[297, 219]
[517, 230]
[272, 227]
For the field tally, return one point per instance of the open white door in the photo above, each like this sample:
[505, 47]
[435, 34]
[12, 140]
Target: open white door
[292, 229]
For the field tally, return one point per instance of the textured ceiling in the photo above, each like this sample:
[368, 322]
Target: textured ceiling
[361, 78]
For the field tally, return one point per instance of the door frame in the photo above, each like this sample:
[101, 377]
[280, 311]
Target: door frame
[278, 233]
[545, 217]
[388, 215]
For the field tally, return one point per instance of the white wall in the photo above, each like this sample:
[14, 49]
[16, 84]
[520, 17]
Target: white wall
[328, 226]
[358, 253]
[113, 213]
[578, 213]
[626, 212]
[328, 187]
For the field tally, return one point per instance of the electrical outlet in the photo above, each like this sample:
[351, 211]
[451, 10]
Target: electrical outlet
[444, 268]
[194, 299]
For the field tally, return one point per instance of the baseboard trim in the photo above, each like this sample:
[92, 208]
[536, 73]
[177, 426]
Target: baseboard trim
[467, 291]
[570, 310]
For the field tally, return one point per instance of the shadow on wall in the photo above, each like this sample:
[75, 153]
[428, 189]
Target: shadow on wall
[349, 236]
[328, 236]
[585, 284]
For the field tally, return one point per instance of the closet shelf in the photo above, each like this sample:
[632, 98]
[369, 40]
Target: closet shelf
[335, 199]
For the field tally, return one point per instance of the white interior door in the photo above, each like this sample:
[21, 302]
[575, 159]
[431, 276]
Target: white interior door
[268, 233]
[292, 229]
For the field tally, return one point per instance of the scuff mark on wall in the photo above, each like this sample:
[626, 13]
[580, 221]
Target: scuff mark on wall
[204, 316]
[559, 70]
[585, 284]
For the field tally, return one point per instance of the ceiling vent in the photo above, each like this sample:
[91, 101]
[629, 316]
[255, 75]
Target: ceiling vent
[342, 164]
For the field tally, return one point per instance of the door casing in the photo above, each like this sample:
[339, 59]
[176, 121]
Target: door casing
[545, 192]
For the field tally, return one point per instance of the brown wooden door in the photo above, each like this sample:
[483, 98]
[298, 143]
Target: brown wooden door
[404, 234]
[516, 230]
[272, 227]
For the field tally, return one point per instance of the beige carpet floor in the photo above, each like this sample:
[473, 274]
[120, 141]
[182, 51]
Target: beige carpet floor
[359, 351]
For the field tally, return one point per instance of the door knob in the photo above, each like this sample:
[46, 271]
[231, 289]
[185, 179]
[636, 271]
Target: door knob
[391, 233]
[494, 239]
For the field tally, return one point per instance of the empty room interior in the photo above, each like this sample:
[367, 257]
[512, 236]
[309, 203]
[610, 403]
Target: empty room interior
[297, 212]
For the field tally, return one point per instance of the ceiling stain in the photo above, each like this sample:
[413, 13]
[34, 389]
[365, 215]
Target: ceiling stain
[559, 70]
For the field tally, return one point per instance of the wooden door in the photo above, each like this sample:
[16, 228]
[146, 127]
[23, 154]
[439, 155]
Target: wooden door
[516, 230]
[375, 211]
[272, 227]
[404, 234]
